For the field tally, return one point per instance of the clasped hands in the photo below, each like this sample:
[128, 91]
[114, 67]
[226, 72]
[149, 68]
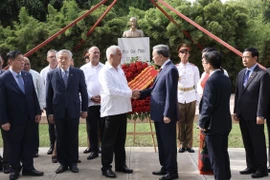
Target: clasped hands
[136, 94]
[259, 120]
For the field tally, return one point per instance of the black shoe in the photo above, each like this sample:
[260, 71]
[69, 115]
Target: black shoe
[74, 168]
[124, 169]
[268, 169]
[248, 171]
[6, 169]
[32, 172]
[87, 150]
[190, 150]
[36, 155]
[170, 176]
[14, 175]
[259, 174]
[160, 172]
[92, 155]
[181, 150]
[61, 169]
[54, 159]
[50, 150]
[79, 161]
[109, 173]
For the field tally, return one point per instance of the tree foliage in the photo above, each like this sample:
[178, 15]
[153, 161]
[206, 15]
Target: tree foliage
[241, 23]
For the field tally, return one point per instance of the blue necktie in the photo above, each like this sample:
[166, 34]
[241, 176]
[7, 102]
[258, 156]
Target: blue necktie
[65, 78]
[246, 78]
[20, 82]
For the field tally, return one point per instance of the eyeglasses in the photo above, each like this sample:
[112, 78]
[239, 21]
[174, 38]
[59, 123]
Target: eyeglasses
[183, 51]
[51, 56]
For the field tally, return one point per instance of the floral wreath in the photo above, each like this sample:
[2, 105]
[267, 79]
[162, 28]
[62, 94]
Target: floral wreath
[140, 75]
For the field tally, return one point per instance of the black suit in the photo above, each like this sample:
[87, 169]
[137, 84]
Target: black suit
[19, 109]
[216, 119]
[5, 142]
[64, 104]
[251, 102]
[268, 125]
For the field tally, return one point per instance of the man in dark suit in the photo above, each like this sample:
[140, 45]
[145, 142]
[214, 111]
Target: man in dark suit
[64, 85]
[215, 119]
[251, 106]
[164, 111]
[19, 114]
[4, 162]
[268, 128]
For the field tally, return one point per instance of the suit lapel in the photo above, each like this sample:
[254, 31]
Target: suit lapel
[13, 82]
[164, 69]
[70, 75]
[251, 77]
[59, 74]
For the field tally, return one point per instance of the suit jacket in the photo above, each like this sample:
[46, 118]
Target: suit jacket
[60, 99]
[252, 101]
[163, 94]
[215, 105]
[16, 107]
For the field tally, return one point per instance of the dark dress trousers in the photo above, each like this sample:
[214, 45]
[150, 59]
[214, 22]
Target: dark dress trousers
[251, 102]
[19, 109]
[64, 103]
[163, 102]
[216, 119]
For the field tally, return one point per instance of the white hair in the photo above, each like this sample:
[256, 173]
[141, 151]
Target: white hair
[64, 51]
[112, 51]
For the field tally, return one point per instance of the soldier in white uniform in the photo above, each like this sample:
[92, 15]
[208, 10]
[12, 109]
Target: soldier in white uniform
[189, 76]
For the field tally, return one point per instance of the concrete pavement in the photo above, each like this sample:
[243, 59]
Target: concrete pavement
[143, 160]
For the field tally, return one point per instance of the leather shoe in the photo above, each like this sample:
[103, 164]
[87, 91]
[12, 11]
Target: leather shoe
[259, 174]
[268, 169]
[32, 172]
[87, 150]
[170, 176]
[50, 150]
[14, 175]
[6, 169]
[124, 169]
[160, 172]
[61, 169]
[74, 168]
[181, 150]
[109, 173]
[248, 171]
[92, 155]
[54, 159]
[190, 150]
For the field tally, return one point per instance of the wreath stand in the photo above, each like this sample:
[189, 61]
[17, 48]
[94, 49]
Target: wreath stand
[152, 133]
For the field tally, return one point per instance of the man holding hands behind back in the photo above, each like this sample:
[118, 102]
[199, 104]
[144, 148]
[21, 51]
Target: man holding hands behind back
[64, 84]
[164, 111]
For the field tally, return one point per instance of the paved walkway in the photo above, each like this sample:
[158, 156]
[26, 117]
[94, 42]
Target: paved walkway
[142, 160]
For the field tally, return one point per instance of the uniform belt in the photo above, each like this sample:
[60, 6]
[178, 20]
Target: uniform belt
[186, 89]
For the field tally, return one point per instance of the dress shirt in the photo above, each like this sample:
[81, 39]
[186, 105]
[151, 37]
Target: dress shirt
[39, 87]
[114, 91]
[251, 70]
[14, 74]
[91, 74]
[44, 72]
[189, 77]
